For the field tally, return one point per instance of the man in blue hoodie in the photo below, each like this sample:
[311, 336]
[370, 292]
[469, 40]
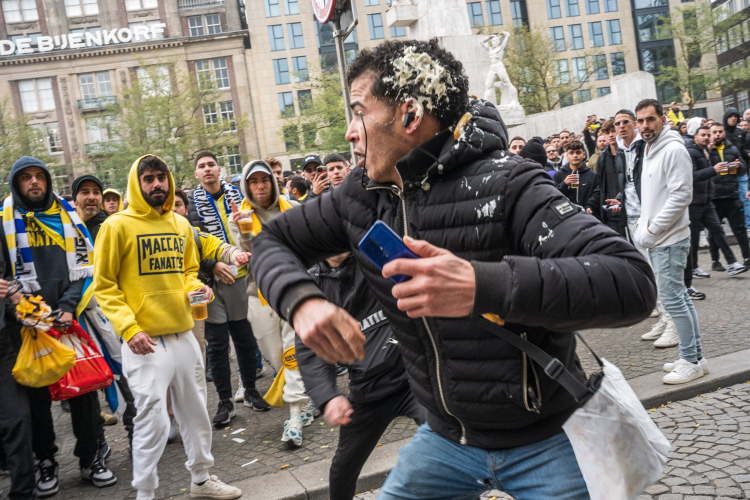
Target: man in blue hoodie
[33, 211]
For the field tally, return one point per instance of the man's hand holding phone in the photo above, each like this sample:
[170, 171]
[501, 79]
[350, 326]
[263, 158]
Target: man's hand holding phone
[329, 331]
[442, 284]
[320, 183]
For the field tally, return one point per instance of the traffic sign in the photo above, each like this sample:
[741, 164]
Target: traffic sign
[324, 10]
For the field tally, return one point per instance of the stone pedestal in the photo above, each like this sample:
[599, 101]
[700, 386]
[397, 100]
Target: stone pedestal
[401, 16]
[512, 115]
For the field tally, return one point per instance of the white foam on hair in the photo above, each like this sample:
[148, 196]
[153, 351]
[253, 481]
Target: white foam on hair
[419, 70]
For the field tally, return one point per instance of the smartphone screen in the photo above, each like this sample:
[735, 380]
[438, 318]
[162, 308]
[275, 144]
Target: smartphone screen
[381, 245]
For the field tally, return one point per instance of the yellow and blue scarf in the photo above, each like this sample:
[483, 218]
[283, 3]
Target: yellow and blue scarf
[77, 245]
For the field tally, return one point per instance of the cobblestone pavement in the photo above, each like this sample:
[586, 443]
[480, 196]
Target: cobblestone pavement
[724, 330]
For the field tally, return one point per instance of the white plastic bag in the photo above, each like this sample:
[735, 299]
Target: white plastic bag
[619, 449]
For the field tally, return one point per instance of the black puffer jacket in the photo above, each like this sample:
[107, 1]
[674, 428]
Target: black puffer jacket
[94, 223]
[735, 133]
[382, 372]
[541, 264]
[703, 174]
[726, 186]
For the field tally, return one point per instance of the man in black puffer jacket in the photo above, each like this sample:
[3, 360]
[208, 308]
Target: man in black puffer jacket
[496, 237]
[735, 133]
[378, 385]
[727, 196]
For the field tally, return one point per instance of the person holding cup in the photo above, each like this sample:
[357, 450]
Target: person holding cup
[575, 180]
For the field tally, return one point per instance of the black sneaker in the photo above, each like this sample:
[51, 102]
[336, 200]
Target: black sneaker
[254, 400]
[225, 413]
[695, 294]
[65, 405]
[98, 474]
[747, 262]
[209, 378]
[716, 266]
[46, 480]
[104, 452]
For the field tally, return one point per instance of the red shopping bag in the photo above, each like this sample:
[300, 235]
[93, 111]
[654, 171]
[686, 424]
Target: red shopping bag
[90, 372]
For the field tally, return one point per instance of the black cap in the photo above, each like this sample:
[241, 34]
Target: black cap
[534, 150]
[84, 178]
[311, 159]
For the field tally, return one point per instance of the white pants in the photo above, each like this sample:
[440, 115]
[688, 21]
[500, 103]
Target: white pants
[176, 364]
[659, 307]
[274, 336]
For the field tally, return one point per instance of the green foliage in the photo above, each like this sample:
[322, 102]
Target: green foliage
[17, 139]
[536, 69]
[169, 113]
[322, 124]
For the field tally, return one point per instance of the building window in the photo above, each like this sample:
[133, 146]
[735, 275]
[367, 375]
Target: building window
[476, 19]
[232, 158]
[493, 13]
[518, 13]
[610, 5]
[272, 8]
[291, 7]
[78, 8]
[742, 100]
[721, 44]
[213, 70]
[151, 88]
[651, 27]
[304, 97]
[291, 135]
[735, 36]
[557, 34]
[375, 21]
[618, 63]
[581, 70]
[95, 85]
[398, 31]
[729, 101]
[210, 116]
[370, 3]
[196, 25]
[571, 8]
[595, 34]
[602, 91]
[36, 95]
[299, 65]
[213, 24]
[226, 109]
[49, 135]
[566, 100]
[562, 73]
[131, 5]
[584, 95]
[309, 134]
[576, 37]
[281, 71]
[276, 37]
[286, 104]
[296, 39]
[553, 9]
[600, 66]
[101, 129]
[592, 6]
[18, 11]
[614, 33]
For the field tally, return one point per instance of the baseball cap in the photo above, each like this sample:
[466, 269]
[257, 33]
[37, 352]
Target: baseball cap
[259, 166]
[311, 159]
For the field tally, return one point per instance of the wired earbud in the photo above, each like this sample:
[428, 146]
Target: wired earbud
[364, 160]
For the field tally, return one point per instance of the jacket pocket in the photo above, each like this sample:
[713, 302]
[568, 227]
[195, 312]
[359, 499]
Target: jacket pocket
[164, 312]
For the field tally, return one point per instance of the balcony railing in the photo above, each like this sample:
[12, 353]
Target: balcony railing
[96, 103]
[98, 148]
[198, 4]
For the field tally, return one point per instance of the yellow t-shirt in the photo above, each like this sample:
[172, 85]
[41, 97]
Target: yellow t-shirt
[242, 271]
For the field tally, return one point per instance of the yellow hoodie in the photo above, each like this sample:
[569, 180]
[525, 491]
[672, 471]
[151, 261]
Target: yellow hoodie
[120, 206]
[145, 265]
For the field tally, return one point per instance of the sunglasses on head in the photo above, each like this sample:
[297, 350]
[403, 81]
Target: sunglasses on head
[622, 122]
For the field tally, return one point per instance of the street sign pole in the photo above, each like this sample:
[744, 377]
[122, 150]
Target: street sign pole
[338, 37]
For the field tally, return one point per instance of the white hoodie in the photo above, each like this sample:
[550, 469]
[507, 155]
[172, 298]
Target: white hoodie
[666, 192]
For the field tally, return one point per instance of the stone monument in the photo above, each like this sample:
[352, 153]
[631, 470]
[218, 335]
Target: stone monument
[510, 109]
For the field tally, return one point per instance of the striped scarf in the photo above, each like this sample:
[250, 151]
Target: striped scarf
[78, 247]
[209, 213]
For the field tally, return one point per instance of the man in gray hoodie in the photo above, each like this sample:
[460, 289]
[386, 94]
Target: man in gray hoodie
[274, 335]
[663, 228]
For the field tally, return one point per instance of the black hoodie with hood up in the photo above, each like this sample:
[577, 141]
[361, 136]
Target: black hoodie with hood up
[50, 259]
[735, 133]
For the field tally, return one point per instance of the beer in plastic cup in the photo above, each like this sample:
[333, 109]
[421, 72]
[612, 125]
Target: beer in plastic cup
[575, 183]
[733, 168]
[246, 221]
[725, 172]
[199, 305]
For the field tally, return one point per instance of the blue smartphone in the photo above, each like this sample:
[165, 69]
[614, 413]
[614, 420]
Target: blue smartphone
[381, 245]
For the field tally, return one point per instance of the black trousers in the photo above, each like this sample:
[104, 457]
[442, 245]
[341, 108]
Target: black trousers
[217, 337]
[15, 423]
[130, 411]
[704, 215]
[358, 438]
[734, 211]
[85, 415]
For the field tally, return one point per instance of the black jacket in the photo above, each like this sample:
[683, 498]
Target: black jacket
[726, 186]
[608, 179]
[703, 174]
[543, 265]
[735, 133]
[381, 373]
[94, 223]
[588, 182]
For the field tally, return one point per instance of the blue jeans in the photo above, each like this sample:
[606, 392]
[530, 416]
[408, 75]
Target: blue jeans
[669, 266]
[435, 468]
[742, 180]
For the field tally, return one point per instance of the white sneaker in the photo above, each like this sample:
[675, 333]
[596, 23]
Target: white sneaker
[656, 331]
[213, 488]
[293, 431]
[668, 367]
[654, 314]
[669, 338]
[683, 372]
[735, 268]
[239, 396]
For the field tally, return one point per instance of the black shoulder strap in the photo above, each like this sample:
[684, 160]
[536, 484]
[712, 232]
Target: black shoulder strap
[553, 367]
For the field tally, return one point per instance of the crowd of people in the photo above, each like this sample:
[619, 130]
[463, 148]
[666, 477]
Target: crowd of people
[503, 228]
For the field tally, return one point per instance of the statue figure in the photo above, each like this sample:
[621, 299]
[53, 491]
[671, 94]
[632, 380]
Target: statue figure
[496, 45]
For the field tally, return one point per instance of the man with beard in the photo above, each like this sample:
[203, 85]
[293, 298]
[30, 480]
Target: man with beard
[87, 193]
[52, 256]
[146, 267]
